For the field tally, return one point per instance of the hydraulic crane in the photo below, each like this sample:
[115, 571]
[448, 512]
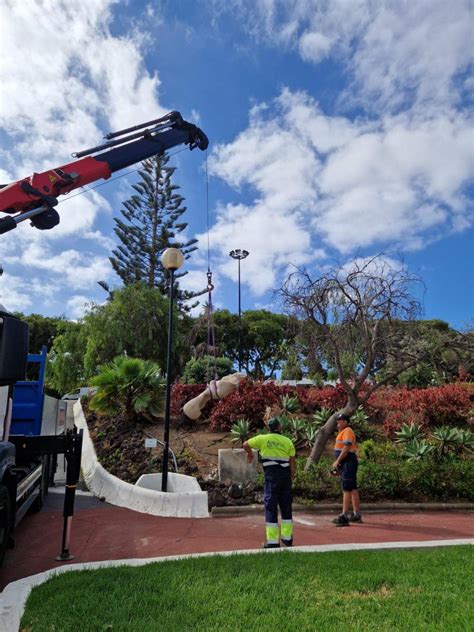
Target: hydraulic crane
[35, 197]
[25, 459]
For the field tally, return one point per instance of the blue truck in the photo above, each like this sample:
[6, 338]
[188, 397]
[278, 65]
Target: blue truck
[28, 456]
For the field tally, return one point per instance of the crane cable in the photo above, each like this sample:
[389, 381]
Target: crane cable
[210, 287]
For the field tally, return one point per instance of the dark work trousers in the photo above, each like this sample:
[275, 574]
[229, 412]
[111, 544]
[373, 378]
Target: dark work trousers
[278, 494]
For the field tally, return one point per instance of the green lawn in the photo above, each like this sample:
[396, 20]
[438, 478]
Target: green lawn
[409, 590]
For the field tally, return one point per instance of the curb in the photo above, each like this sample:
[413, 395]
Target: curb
[13, 599]
[322, 508]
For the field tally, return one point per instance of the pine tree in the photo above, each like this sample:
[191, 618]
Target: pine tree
[151, 223]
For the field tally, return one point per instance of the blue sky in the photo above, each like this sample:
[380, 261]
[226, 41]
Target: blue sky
[337, 129]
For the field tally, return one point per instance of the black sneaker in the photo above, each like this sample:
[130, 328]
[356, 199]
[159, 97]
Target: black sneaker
[270, 545]
[288, 542]
[341, 521]
[356, 517]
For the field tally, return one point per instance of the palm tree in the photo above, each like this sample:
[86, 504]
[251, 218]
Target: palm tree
[131, 386]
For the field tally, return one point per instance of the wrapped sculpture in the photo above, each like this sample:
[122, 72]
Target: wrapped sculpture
[216, 389]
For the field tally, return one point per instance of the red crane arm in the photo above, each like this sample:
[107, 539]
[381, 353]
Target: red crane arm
[35, 197]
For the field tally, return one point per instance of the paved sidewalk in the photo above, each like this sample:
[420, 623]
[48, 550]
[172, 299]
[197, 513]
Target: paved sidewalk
[103, 532]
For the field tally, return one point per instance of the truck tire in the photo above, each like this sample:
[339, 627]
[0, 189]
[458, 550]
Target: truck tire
[44, 484]
[5, 520]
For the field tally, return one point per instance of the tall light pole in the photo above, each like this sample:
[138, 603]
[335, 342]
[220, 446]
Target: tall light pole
[239, 255]
[172, 259]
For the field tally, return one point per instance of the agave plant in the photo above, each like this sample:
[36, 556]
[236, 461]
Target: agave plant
[321, 416]
[240, 431]
[417, 449]
[289, 404]
[446, 440]
[129, 385]
[297, 427]
[309, 434]
[284, 425]
[464, 441]
[359, 417]
[408, 432]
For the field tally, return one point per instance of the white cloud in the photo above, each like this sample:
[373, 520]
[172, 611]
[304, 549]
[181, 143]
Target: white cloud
[77, 305]
[14, 295]
[76, 78]
[346, 184]
[314, 46]
[396, 53]
[18, 293]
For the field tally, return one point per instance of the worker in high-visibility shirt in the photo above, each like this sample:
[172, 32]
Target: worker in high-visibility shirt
[278, 459]
[345, 464]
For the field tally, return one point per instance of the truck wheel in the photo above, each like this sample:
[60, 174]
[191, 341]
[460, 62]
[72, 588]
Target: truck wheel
[5, 520]
[44, 484]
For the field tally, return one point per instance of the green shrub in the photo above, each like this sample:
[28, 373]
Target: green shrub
[418, 481]
[371, 450]
[201, 370]
[442, 481]
[378, 481]
[317, 483]
[364, 430]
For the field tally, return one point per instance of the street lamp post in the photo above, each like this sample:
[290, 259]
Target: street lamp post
[172, 259]
[239, 255]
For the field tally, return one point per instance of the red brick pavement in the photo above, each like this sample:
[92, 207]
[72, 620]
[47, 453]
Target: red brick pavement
[102, 532]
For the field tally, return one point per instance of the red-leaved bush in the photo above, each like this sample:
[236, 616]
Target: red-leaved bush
[313, 399]
[439, 405]
[249, 401]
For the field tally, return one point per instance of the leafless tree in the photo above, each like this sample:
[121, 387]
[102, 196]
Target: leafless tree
[358, 316]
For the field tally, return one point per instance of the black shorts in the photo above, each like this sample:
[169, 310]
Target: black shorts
[349, 473]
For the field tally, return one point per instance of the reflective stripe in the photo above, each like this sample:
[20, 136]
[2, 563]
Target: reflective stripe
[339, 448]
[272, 532]
[267, 463]
[283, 459]
[287, 530]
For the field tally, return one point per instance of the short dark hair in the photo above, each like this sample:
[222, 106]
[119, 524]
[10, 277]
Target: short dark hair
[274, 424]
[343, 416]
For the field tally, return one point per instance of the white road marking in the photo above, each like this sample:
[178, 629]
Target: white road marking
[301, 521]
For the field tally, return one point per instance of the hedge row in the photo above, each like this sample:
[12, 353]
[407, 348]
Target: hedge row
[419, 481]
[441, 405]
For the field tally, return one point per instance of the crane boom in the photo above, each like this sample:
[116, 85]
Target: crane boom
[35, 197]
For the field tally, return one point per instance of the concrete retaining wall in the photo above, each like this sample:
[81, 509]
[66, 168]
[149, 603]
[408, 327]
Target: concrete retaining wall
[122, 494]
[233, 466]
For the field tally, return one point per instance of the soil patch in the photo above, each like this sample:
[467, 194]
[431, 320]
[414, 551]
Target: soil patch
[120, 448]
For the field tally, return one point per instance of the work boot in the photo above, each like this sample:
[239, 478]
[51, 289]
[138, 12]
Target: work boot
[356, 517]
[288, 542]
[341, 521]
[270, 545]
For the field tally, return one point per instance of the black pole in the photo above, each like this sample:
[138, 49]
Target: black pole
[239, 254]
[72, 452]
[240, 325]
[166, 441]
